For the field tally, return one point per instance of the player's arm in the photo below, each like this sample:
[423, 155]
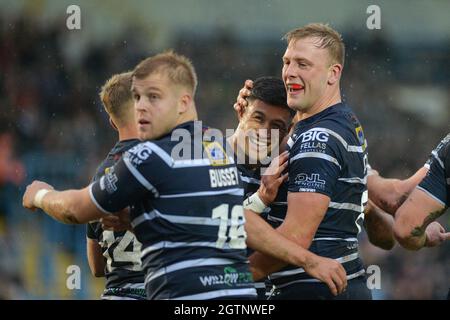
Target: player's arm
[414, 222]
[94, 250]
[263, 238]
[379, 226]
[70, 206]
[95, 257]
[389, 194]
[307, 202]
[268, 241]
[260, 235]
[124, 184]
[304, 214]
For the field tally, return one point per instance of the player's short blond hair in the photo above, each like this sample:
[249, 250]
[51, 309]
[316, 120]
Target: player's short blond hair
[116, 97]
[179, 69]
[329, 39]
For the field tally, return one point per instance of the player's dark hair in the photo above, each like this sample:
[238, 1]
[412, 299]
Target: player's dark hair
[272, 91]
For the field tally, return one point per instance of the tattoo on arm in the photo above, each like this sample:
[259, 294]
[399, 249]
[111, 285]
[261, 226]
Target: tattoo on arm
[420, 231]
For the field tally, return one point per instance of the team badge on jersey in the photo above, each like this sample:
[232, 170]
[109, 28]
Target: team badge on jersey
[360, 135]
[215, 153]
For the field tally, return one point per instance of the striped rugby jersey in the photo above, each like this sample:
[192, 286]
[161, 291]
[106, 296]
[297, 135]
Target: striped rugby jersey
[328, 156]
[437, 181]
[251, 180]
[124, 277]
[187, 213]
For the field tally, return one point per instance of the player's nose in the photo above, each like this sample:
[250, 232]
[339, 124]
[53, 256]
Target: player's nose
[141, 105]
[290, 71]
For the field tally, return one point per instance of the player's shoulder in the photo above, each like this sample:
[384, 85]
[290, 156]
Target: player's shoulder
[114, 155]
[151, 150]
[443, 148]
[339, 118]
[123, 146]
[336, 124]
[344, 126]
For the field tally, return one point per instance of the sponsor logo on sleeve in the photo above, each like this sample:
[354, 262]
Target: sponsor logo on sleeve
[309, 183]
[139, 153]
[109, 180]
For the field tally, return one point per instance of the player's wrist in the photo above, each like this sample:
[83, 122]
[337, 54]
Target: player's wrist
[307, 260]
[264, 197]
[255, 203]
[39, 197]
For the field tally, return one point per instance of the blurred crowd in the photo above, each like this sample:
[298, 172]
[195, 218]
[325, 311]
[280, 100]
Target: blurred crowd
[51, 119]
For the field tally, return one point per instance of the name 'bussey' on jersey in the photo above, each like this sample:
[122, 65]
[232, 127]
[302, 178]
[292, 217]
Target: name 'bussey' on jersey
[188, 218]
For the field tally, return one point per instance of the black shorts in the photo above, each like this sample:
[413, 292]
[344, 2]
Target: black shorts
[356, 290]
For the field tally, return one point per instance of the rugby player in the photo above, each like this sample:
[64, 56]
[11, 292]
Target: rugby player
[415, 226]
[116, 255]
[327, 167]
[377, 222]
[268, 110]
[191, 229]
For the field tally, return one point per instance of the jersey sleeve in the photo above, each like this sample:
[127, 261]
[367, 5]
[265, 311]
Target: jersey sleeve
[135, 176]
[91, 231]
[436, 182]
[315, 164]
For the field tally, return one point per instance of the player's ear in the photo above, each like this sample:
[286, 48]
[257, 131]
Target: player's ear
[111, 122]
[184, 104]
[334, 73]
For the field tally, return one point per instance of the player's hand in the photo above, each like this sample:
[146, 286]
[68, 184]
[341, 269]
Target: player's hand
[117, 222]
[436, 234]
[370, 207]
[272, 178]
[30, 194]
[241, 99]
[329, 271]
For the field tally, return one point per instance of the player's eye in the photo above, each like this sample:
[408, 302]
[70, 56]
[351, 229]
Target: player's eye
[136, 97]
[302, 64]
[153, 96]
[276, 127]
[258, 118]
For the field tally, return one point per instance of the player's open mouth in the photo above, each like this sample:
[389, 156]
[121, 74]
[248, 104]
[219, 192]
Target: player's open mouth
[295, 88]
[143, 122]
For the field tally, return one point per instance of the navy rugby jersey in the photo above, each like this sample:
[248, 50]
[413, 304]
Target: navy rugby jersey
[437, 181]
[327, 155]
[251, 180]
[121, 250]
[187, 214]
